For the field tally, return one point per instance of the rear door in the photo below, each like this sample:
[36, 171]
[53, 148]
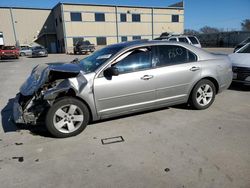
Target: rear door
[177, 69]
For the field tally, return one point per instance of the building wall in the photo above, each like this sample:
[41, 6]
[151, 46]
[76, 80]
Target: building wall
[28, 24]
[153, 22]
[163, 21]
[41, 25]
[59, 28]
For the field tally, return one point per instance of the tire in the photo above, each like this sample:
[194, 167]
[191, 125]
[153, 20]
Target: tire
[60, 120]
[202, 95]
[22, 54]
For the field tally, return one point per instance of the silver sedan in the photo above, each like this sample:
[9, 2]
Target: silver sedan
[120, 79]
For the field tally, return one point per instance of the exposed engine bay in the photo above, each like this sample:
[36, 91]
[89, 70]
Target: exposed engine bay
[44, 85]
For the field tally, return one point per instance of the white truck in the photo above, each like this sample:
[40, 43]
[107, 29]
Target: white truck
[1, 39]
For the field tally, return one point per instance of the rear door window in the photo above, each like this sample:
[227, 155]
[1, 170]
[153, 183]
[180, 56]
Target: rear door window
[172, 39]
[166, 55]
[183, 39]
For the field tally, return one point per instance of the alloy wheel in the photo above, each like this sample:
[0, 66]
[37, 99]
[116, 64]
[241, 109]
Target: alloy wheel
[204, 95]
[68, 118]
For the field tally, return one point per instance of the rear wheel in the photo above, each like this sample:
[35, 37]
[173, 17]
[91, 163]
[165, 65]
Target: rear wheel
[203, 94]
[67, 117]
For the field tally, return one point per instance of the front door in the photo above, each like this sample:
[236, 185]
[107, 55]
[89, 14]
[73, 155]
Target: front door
[131, 90]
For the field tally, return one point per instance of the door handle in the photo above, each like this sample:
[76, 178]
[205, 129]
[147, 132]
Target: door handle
[147, 77]
[194, 69]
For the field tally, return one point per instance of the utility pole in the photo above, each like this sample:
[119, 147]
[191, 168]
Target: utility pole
[13, 25]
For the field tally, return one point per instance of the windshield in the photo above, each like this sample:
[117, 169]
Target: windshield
[9, 48]
[245, 41]
[38, 48]
[95, 60]
[244, 49]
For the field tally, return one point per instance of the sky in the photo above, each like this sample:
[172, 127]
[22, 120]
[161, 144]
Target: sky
[223, 14]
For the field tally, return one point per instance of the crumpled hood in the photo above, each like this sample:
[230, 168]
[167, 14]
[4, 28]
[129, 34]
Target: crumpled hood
[40, 75]
[65, 67]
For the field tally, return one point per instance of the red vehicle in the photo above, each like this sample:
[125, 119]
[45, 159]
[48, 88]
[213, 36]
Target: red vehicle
[9, 52]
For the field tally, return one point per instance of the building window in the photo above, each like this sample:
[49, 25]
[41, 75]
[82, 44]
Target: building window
[76, 16]
[136, 37]
[77, 39]
[60, 19]
[99, 17]
[123, 17]
[101, 40]
[56, 22]
[175, 18]
[136, 17]
[124, 39]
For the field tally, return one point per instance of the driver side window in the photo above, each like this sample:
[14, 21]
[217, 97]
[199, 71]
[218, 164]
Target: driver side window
[135, 60]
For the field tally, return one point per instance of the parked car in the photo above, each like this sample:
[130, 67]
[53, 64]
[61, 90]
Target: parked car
[120, 79]
[243, 43]
[164, 35]
[39, 51]
[9, 52]
[25, 51]
[83, 47]
[241, 64]
[182, 38]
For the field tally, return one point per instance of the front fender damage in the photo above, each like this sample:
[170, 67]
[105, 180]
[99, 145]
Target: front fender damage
[32, 108]
[76, 84]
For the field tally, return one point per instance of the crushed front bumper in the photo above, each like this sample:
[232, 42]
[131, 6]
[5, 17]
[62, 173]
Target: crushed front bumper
[17, 111]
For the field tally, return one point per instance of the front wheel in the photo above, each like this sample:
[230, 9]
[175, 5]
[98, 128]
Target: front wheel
[67, 117]
[203, 95]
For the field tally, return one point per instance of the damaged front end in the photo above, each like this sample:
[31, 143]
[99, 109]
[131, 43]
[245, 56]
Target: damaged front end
[45, 84]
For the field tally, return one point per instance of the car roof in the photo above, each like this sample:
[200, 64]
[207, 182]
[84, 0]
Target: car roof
[143, 43]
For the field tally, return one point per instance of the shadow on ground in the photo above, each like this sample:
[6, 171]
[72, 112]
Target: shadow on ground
[129, 115]
[40, 130]
[8, 60]
[239, 87]
[9, 125]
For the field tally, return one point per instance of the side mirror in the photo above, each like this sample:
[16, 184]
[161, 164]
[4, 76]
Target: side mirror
[111, 71]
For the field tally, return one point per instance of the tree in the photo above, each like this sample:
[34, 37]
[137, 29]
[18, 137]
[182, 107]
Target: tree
[245, 25]
[191, 32]
[207, 29]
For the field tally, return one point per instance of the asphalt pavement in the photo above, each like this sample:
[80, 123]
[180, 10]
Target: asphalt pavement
[173, 147]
